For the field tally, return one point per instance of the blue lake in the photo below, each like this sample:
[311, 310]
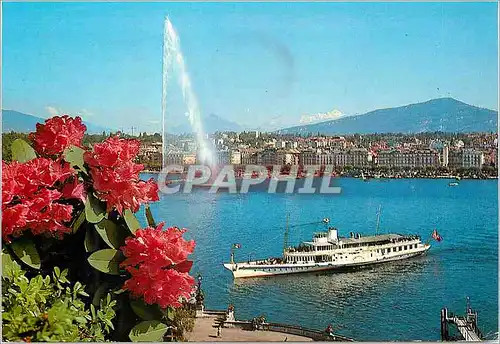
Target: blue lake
[395, 301]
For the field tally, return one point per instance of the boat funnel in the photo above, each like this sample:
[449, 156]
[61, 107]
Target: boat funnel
[332, 235]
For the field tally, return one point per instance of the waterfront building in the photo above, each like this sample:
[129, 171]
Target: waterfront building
[223, 157]
[408, 159]
[188, 146]
[189, 159]
[308, 157]
[249, 156]
[267, 157]
[326, 158]
[235, 157]
[455, 158]
[472, 158]
[491, 157]
[174, 158]
[288, 157]
[280, 144]
[332, 142]
[445, 156]
[358, 157]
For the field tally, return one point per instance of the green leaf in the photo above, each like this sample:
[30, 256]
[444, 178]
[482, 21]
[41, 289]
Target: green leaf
[107, 261]
[92, 310]
[78, 221]
[99, 293]
[170, 313]
[112, 235]
[26, 251]
[131, 221]
[74, 155]
[22, 151]
[144, 311]
[90, 242]
[148, 331]
[149, 216]
[9, 266]
[118, 291]
[94, 210]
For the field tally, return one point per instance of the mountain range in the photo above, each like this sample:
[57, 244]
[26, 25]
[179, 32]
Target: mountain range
[210, 123]
[442, 114]
[23, 123]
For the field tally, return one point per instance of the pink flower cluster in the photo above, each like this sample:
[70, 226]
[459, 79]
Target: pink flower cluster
[32, 196]
[157, 262]
[116, 176]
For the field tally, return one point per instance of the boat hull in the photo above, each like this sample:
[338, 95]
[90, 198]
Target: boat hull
[244, 270]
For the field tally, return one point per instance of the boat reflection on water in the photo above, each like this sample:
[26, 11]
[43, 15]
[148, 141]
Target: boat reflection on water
[347, 283]
[341, 299]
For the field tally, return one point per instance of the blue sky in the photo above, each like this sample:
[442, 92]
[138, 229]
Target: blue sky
[257, 64]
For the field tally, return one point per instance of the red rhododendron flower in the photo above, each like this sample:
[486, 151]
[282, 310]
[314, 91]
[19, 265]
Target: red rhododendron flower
[57, 134]
[51, 220]
[156, 259]
[14, 219]
[158, 286]
[113, 152]
[74, 190]
[157, 247]
[32, 193]
[116, 176]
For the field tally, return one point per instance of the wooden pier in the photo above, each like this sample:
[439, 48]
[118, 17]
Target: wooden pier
[466, 326]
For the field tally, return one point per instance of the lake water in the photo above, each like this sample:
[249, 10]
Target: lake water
[394, 301]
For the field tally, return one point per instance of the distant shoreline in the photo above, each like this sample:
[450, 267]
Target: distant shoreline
[388, 178]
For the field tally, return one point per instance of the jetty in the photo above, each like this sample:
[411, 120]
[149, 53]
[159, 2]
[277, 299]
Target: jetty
[466, 326]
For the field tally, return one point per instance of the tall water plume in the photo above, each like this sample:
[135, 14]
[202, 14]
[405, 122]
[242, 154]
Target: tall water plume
[172, 57]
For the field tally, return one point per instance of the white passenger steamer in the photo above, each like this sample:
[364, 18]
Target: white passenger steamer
[328, 251]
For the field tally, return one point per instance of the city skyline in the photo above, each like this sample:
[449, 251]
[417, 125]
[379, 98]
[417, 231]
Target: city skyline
[254, 64]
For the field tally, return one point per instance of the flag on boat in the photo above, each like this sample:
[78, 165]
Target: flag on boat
[436, 236]
[236, 246]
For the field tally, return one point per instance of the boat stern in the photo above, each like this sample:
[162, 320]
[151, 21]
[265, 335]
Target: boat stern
[427, 246]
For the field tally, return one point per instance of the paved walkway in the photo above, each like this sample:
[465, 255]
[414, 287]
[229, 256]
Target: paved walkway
[204, 331]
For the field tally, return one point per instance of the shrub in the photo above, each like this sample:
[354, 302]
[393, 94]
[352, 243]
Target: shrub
[72, 208]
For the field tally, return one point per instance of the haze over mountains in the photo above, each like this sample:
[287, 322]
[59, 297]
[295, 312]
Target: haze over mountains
[23, 123]
[443, 114]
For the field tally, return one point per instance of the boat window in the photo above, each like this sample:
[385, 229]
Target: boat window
[400, 248]
[406, 247]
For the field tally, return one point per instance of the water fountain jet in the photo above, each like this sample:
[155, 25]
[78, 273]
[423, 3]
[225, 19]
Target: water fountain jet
[172, 56]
